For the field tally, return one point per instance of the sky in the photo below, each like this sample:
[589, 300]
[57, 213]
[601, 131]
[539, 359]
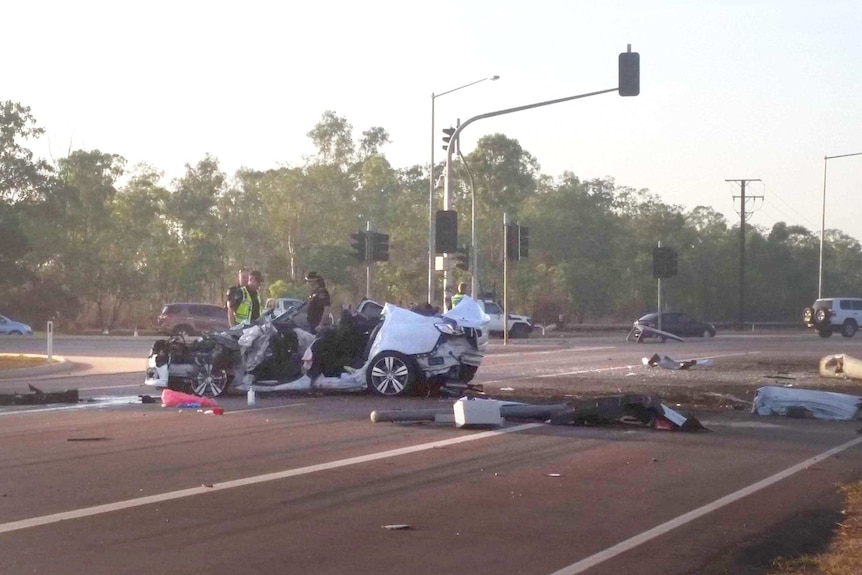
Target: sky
[756, 89]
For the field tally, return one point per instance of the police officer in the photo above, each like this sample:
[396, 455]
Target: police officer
[462, 291]
[318, 301]
[245, 304]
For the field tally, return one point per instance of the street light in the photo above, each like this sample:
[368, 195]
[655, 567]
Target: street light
[431, 186]
[823, 219]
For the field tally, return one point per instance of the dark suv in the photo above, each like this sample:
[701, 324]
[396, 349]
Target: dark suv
[192, 318]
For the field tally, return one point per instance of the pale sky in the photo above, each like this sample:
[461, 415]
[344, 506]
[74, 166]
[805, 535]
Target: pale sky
[729, 89]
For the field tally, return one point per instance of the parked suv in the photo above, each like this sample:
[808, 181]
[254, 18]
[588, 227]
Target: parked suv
[842, 314]
[192, 318]
[518, 325]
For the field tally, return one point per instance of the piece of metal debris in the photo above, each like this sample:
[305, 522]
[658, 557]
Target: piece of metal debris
[397, 527]
[39, 397]
[795, 402]
[667, 363]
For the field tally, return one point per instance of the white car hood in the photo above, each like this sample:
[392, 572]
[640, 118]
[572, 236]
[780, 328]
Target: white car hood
[411, 333]
[468, 313]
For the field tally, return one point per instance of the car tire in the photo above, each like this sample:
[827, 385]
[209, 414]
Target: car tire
[824, 333]
[711, 332]
[391, 373]
[808, 315]
[821, 315]
[519, 331]
[212, 380]
[848, 329]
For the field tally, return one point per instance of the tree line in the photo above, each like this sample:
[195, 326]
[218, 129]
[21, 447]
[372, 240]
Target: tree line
[92, 242]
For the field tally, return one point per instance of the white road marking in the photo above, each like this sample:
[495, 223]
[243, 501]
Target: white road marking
[601, 369]
[172, 495]
[659, 530]
[548, 351]
[114, 401]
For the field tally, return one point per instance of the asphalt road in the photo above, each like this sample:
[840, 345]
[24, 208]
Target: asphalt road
[305, 483]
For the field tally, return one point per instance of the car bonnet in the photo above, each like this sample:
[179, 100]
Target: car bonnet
[468, 313]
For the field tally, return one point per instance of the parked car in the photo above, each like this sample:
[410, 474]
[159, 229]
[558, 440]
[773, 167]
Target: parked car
[518, 325]
[183, 318]
[679, 324]
[827, 315]
[12, 327]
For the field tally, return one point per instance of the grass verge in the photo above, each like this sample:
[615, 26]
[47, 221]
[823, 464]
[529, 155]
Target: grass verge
[845, 551]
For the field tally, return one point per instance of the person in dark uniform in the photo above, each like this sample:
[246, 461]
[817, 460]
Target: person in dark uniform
[318, 301]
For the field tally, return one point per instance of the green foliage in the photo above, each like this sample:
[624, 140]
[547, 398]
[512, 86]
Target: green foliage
[75, 240]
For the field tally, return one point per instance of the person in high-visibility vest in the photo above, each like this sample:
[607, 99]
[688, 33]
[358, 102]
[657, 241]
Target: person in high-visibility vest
[248, 308]
[234, 295]
[462, 291]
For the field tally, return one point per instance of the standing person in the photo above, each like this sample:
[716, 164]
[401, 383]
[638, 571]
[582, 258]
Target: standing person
[462, 291]
[249, 308]
[234, 295]
[318, 301]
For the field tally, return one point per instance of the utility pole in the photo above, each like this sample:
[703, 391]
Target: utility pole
[742, 215]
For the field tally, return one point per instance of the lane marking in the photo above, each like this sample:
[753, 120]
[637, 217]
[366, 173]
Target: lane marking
[600, 369]
[182, 493]
[119, 401]
[548, 351]
[659, 530]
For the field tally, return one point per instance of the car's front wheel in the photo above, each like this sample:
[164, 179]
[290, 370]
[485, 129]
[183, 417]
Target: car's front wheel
[211, 380]
[519, 331]
[391, 373]
[849, 328]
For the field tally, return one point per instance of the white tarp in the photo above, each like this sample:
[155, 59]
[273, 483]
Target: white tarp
[775, 400]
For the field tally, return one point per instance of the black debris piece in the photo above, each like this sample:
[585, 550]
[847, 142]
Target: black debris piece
[39, 397]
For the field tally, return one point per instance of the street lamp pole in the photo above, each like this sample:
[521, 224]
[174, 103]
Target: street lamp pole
[823, 220]
[431, 186]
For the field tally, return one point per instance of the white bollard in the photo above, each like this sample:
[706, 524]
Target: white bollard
[50, 331]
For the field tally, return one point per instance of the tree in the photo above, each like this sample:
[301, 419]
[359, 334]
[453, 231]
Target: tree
[21, 176]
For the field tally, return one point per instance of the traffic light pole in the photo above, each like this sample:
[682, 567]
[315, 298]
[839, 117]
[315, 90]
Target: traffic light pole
[368, 249]
[447, 190]
[658, 309]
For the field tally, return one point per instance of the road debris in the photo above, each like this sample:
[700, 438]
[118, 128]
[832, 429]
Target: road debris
[794, 402]
[39, 397]
[842, 366]
[171, 398]
[646, 410]
[397, 527]
[667, 363]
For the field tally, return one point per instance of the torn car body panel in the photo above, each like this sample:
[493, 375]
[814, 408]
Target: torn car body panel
[789, 401]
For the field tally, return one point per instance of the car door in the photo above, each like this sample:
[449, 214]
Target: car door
[495, 312]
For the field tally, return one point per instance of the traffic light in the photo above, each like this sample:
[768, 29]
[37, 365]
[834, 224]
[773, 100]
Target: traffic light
[379, 247]
[523, 242]
[462, 258]
[664, 262]
[360, 246]
[446, 235]
[629, 73]
[448, 136]
[512, 241]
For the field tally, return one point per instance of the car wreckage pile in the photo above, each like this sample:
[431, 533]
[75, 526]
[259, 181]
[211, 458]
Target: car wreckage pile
[391, 356]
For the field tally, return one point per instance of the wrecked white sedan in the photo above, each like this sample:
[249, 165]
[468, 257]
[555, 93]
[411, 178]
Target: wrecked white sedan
[390, 357]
